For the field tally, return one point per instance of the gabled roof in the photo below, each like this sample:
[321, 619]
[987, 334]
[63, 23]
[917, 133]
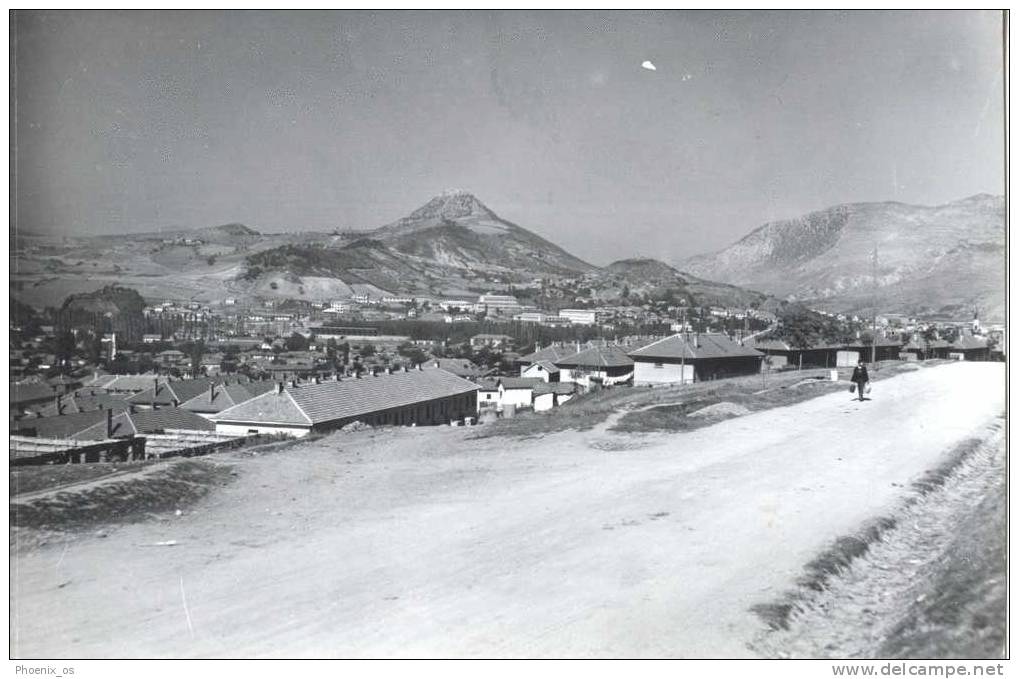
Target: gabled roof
[609, 356]
[124, 382]
[215, 398]
[492, 383]
[693, 347]
[550, 353]
[80, 403]
[561, 388]
[166, 392]
[547, 366]
[28, 392]
[311, 404]
[458, 366]
[59, 427]
[969, 342]
[148, 422]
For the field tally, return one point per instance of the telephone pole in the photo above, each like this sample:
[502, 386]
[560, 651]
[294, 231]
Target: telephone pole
[873, 316]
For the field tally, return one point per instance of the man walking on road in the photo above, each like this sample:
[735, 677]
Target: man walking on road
[860, 378]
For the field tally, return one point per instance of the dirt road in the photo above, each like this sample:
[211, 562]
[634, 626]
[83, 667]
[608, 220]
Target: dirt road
[426, 543]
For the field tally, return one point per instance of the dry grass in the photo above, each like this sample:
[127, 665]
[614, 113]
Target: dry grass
[667, 408]
[133, 498]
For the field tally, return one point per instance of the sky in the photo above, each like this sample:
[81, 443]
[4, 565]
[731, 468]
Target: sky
[129, 121]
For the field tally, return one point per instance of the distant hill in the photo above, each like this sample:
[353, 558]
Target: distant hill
[646, 276]
[931, 260]
[453, 240]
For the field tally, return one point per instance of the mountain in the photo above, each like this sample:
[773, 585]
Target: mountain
[944, 260]
[646, 276]
[457, 229]
[452, 242]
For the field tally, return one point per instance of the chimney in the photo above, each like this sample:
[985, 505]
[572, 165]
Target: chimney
[389, 371]
[175, 402]
[155, 386]
[60, 404]
[437, 364]
[109, 423]
[317, 380]
[131, 408]
[279, 387]
[403, 368]
[293, 384]
[212, 391]
[419, 366]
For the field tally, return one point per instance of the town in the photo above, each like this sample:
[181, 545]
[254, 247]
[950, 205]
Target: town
[176, 377]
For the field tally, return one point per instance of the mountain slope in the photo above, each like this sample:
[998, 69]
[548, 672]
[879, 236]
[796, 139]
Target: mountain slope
[931, 260]
[456, 228]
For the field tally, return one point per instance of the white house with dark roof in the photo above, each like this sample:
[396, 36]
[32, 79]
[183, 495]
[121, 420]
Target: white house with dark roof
[415, 397]
[605, 365]
[690, 357]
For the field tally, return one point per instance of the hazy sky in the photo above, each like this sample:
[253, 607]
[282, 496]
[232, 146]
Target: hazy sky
[134, 121]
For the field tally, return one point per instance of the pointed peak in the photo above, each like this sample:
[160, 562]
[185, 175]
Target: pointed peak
[452, 204]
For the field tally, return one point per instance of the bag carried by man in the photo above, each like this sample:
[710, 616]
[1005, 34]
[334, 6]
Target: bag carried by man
[852, 387]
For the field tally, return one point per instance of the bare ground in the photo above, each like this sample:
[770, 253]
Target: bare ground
[429, 542]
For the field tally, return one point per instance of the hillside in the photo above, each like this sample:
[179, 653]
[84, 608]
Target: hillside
[453, 242]
[651, 277]
[931, 260]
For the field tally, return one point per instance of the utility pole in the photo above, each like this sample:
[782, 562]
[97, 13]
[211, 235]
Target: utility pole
[873, 317]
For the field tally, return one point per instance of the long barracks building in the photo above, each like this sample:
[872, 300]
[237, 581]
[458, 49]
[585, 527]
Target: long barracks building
[415, 397]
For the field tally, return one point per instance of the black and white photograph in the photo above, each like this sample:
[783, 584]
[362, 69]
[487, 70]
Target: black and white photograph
[509, 334]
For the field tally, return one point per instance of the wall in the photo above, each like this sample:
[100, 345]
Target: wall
[535, 371]
[243, 429]
[668, 373]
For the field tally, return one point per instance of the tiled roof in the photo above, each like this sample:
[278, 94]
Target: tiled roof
[59, 427]
[28, 392]
[683, 346]
[222, 397]
[336, 400]
[458, 366]
[560, 388]
[492, 383]
[548, 366]
[81, 403]
[967, 342]
[148, 422]
[129, 383]
[168, 391]
[609, 356]
[551, 353]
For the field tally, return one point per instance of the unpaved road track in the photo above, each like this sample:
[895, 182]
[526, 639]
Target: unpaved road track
[426, 543]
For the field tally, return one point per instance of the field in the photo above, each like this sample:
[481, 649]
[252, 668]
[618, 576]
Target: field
[584, 542]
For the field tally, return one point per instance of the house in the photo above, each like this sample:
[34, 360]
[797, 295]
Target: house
[219, 397]
[491, 341]
[502, 393]
[544, 370]
[461, 367]
[414, 397]
[693, 358]
[780, 354]
[579, 316]
[25, 395]
[549, 395]
[171, 393]
[970, 348]
[79, 402]
[551, 354]
[121, 384]
[600, 365]
[883, 349]
[107, 424]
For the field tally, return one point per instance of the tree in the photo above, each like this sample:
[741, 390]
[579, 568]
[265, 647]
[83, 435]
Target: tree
[412, 353]
[195, 351]
[296, 342]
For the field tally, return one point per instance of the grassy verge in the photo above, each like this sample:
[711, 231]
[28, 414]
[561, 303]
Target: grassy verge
[130, 499]
[30, 479]
[669, 408]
